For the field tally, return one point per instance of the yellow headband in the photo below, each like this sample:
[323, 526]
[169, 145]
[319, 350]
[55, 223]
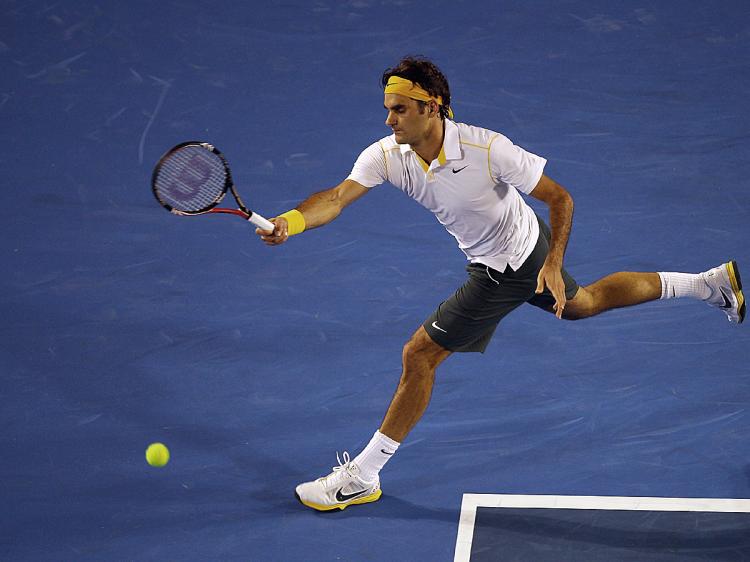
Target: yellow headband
[404, 87]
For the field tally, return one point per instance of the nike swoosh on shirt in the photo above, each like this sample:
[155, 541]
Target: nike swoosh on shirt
[434, 325]
[342, 497]
[456, 171]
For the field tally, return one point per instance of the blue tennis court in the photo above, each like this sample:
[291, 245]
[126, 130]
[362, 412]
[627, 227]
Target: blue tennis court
[124, 325]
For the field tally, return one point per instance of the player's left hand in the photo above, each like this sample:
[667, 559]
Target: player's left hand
[551, 277]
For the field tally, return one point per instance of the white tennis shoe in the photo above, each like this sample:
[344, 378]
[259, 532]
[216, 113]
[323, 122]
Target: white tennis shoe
[340, 489]
[726, 290]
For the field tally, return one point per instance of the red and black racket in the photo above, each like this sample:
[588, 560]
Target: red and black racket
[193, 177]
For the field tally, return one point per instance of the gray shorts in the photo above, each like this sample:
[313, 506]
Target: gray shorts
[467, 320]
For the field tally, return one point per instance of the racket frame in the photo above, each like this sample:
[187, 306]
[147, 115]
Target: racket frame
[243, 211]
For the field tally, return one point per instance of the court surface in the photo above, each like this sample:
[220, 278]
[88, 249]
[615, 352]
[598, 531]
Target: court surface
[124, 325]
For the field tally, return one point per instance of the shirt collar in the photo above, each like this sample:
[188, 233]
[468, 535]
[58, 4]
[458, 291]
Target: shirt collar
[451, 142]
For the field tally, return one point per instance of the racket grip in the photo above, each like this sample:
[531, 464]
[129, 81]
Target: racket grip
[260, 222]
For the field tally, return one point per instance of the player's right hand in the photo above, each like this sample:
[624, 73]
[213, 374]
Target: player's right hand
[279, 234]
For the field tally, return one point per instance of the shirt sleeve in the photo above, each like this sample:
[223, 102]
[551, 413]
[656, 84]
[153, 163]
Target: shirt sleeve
[515, 166]
[370, 169]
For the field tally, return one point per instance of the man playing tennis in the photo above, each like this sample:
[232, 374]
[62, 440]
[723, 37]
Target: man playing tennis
[472, 179]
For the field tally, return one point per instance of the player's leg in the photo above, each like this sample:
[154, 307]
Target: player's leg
[720, 287]
[618, 290]
[356, 481]
[420, 358]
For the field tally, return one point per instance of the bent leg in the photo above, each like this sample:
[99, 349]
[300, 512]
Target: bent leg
[421, 356]
[614, 291]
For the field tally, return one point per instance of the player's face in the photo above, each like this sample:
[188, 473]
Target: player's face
[404, 118]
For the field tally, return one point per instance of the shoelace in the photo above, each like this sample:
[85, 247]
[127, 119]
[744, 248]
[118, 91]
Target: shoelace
[338, 471]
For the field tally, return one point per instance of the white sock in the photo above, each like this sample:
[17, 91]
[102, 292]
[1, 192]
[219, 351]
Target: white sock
[676, 285]
[373, 457]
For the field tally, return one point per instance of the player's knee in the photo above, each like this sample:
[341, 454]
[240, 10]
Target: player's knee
[583, 305]
[420, 353]
[413, 354]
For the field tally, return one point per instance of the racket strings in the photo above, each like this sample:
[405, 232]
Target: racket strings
[191, 179]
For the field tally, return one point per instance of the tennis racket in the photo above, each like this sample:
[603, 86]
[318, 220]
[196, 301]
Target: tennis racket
[193, 177]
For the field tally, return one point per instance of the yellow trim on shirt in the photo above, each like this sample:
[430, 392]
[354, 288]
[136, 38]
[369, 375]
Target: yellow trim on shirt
[441, 160]
[489, 162]
[476, 145]
[441, 157]
[487, 148]
[385, 157]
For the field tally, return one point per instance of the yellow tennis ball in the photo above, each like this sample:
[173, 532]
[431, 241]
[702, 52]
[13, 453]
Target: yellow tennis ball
[157, 454]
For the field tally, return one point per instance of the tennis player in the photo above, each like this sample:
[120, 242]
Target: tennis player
[473, 180]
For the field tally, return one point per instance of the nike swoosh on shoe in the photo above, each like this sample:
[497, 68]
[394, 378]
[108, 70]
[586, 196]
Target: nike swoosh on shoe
[727, 303]
[342, 497]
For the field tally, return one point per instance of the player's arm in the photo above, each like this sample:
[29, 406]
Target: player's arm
[560, 205]
[321, 208]
[317, 210]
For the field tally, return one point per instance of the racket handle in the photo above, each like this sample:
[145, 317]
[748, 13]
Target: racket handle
[260, 222]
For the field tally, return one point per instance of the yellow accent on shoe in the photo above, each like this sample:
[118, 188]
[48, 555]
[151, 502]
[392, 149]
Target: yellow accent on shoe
[364, 499]
[734, 279]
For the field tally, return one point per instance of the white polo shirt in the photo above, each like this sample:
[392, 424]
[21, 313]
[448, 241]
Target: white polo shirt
[472, 188]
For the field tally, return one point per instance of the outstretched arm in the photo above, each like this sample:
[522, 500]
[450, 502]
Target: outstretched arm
[318, 209]
[561, 218]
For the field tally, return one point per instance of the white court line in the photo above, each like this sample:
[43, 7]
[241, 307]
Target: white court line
[471, 502]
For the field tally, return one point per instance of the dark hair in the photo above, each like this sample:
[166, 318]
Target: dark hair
[424, 72]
